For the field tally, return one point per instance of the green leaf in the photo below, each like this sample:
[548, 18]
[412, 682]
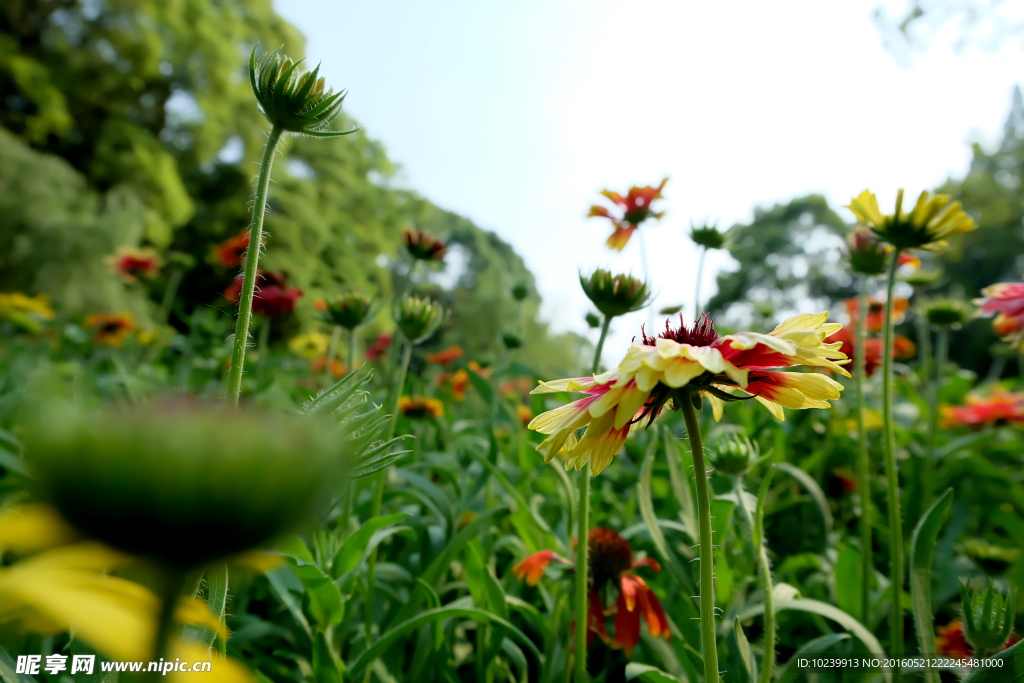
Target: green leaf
[922, 553]
[216, 598]
[812, 487]
[293, 545]
[482, 387]
[325, 602]
[7, 668]
[326, 667]
[430, 616]
[11, 462]
[829, 612]
[648, 674]
[848, 583]
[744, 649]
[1010, 670]
[279, 584]
[790, 674]
[647, 512]
[353, 549]
[483, 586]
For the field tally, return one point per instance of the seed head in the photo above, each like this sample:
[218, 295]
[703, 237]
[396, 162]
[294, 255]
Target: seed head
[292, 100]
[511, 340]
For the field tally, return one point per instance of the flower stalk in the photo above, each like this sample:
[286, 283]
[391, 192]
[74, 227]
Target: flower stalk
[249, 278]
[941, 354]
[892, 476]
[863, 457]
[709, 646]
[755, 522]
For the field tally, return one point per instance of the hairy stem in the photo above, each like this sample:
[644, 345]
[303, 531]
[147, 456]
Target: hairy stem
[864, 459]
[755, 522]
[582, 578]
[709, 646]
[351, 350]
[892, 479]
[252, 255]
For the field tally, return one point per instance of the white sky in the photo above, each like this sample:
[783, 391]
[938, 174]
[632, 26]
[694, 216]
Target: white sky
[515, 113]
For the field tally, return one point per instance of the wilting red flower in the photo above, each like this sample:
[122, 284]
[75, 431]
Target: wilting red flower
[1000, 406]
[231, 252]
[446, 356]
[611, 562]
[318, 364]
[1006, 299]
[902, 348]
[130, 263]
[876, 312]
[112, 329]
[634, 209]
[424, 246]
[272, 297]
[378, 347]
[952, 641]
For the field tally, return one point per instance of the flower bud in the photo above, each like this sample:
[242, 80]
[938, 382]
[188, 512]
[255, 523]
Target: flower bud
[423, 246]
[291, 100]
[416, 317]
[946, 312]
[732, 453]
[346, 310]
[615, 295]
[866, 253]
[511, 340]
[988, 617]
[182, 484]
[707, 236]
[593, 320]
[670, 310]
[520, 290]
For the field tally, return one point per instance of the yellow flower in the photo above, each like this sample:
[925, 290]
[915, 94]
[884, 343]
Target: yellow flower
[112, 329]
[932, 220]
[420, 407]
[686, 364]
[310, 345]
[25, 311]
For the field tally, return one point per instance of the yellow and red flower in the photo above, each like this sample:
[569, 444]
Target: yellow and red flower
[272, 297]
[952, 641]
[130, 263]
[876, 312]
[999, 407]
[419, 407]
[479, 369]
[459, 381]
[447, 356]
[112, 329]
[611, 564]
[633, 209]
[902, 348]
[685, 363]
[231, 252]
[1007, 300]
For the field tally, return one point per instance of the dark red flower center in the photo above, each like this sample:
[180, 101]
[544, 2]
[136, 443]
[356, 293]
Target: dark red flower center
[610, 555]
[701, 334]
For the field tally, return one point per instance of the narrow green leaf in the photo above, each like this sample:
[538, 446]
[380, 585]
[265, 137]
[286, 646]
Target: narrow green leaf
[353, 549]
[279, 584]
[791, 674]
[482, 387]
[922, 553]
[11, 462]
[848, 582]
[651, 520]
[293, 545]
[807, 481]
[7, 668]
[326, 669]
[744, 649]
[325, 601]
[1010, 668]
[648, 674]
[216, 598]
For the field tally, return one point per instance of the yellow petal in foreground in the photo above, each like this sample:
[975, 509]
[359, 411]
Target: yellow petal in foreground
[32, 528]
[222, 670]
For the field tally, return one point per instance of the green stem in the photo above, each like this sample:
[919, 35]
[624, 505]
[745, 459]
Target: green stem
[582, 579]
[941, 353]
[169, 294]
[709, 646]
[924, 352]
[864, 459]
[700, 276]
[173, 582]
[892, 480]
[332, 351]
[261, 345]
[378, 497]
[351, 350]
[765, 574]
[252, 255]
[600, 345]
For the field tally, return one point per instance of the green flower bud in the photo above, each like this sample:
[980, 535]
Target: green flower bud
[416, 317]
[988, 617]
[511, 340]
[732, 453]
[520, 290]
[593, 320]
[615, 295]
[922, 277]
[670, 310]
[765, 309]
[707, 236]
[866, 253]
[346, 310]
[182, 484]
[291, 100]
[947, 312]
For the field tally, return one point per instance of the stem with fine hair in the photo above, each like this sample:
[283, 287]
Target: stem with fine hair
[352, 349]
[378, 497]
[892, 479]
[252, 255]
[864, 458]
[755, 521]
[941, 352]
[700, 276]
[709, 646]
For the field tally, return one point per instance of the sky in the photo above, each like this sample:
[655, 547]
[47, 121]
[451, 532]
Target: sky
[516, 113]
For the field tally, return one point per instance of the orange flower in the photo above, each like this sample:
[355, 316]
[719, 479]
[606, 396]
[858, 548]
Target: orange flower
[479, 369]
[130, 263]
[446, 356]
[532, 566]
[901, 348]
[319, 364]
[876, 312]
[231, 252]
[515, 387]
[524, 413]
[907, 259]
[459, 381]
[999, 407]
[952, 641]
[419, 407]
[634, 209]
[112, 329]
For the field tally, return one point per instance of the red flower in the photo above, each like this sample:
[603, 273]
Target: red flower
[424, 246]
[131, 263]
[901, 348]
[1001, 406]
[909, 260]
[952, 641]
[446, 356]
[231, 252]
[378, 347]
[876, 312]
[635, 208]
[272, 296]
[319, 364]
[847, 480]
[1006, 299]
